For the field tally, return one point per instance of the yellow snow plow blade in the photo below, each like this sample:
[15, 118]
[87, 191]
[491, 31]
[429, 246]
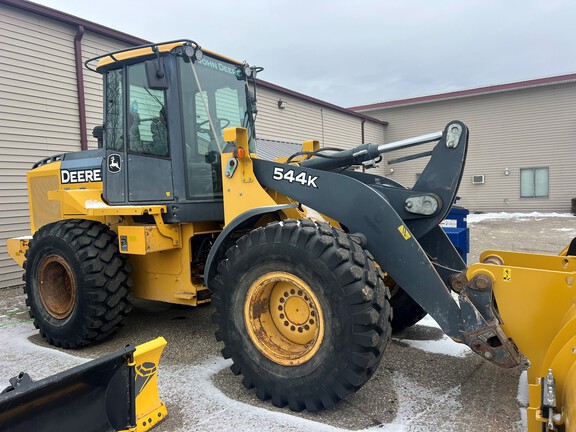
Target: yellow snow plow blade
[150, 410]
[535, 296]
[115, 392]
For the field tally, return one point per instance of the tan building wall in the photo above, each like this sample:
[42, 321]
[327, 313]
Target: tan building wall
[304, 120]
[39, 114]
[524, 128]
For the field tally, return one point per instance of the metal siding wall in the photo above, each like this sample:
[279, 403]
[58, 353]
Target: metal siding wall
[373, 133]
[525, 128]
[38, 110]
[38, 113]
[302, 120]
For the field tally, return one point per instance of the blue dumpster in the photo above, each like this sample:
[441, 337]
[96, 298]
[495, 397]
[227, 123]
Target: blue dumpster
[456, 228]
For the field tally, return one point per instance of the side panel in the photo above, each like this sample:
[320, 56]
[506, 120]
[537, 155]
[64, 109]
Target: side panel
[115, 177]
[149, 179]
[167, 275]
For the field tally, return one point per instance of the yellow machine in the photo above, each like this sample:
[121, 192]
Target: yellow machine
[175, 206]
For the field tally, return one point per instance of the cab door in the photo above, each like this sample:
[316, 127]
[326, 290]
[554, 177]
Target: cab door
[149, 165]
[137, 167]
[115, 156]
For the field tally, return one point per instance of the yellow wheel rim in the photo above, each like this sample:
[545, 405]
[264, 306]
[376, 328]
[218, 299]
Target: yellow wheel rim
[284, 318]
[56, 286]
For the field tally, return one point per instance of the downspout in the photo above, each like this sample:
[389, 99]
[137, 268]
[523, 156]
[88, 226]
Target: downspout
[80, 87]
[362, 138]
[322, 124]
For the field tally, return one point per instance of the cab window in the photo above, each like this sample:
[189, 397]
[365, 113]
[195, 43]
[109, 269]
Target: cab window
[114, 110]
[146, 119]
[217, 103]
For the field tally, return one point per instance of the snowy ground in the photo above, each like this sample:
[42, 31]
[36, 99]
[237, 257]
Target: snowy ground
[426, 382]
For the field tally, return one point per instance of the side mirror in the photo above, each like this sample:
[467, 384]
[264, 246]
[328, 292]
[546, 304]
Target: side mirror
[98, 133]
[156, 74]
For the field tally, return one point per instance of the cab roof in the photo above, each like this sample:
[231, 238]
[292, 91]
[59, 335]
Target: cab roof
[145, 51]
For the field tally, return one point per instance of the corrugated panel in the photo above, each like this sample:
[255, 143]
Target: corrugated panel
[270, 150]
[516, 129]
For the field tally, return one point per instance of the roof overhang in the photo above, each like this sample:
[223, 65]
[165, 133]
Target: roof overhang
[498, 88]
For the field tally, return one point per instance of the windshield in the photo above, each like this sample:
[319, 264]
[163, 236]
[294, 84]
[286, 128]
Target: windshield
[221, 103]
[214, 97]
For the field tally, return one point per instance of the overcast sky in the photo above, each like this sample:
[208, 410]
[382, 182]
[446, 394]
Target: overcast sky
[361, 52]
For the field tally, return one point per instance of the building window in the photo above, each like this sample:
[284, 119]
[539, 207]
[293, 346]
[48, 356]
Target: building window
[534, 182]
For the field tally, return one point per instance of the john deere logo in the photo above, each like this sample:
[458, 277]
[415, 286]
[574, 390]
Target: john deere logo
[114, 163]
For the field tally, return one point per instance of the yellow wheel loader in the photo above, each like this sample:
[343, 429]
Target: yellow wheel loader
[175, 206]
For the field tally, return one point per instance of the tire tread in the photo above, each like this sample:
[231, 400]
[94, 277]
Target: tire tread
[365, 294]
[106, 281]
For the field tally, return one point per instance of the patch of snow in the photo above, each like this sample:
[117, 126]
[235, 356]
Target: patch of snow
[564, 229]
[475, 218]
[418, 405]
[448, 223]
[523, 397]
[39, 362]
[444, 346]
[428, 321]
[216, 411]
[92, 204]
[522, 424]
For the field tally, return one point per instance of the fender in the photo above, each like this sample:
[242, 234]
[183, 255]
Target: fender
[243, 220]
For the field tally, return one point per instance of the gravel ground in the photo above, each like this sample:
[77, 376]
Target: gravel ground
[425, 382]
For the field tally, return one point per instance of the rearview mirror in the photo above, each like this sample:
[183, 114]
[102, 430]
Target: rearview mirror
[156, 74]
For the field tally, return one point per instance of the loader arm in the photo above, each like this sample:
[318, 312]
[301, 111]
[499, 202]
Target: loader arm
[401, 228]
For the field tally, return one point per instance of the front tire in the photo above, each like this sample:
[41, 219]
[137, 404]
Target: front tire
[406, 311]
[303, 312]
[77, 283]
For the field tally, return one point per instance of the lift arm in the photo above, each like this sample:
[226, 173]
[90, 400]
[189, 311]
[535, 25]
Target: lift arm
[401, 227]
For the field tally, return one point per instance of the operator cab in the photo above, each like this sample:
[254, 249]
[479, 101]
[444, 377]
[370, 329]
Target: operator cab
[166, 106]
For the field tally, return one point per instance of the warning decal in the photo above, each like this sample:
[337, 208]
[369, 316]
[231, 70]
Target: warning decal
[404, 231]
[507, 275]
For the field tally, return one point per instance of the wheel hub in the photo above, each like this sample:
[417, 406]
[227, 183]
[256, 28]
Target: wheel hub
[284, 318]
[57, 287]
[297, 311]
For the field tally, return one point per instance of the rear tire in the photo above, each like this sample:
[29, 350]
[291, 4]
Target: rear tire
[77, 283]
[303, 312]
